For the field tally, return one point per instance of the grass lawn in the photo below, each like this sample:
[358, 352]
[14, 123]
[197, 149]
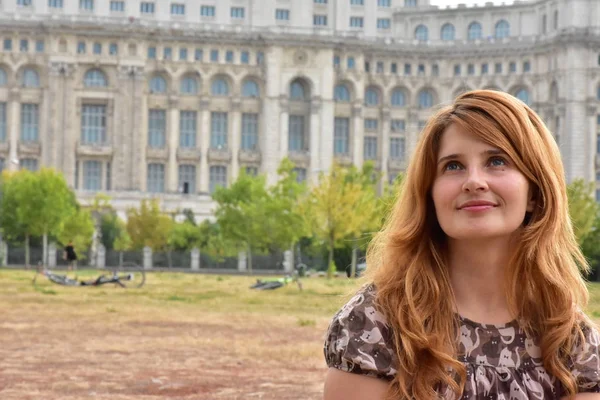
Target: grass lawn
[180, 336]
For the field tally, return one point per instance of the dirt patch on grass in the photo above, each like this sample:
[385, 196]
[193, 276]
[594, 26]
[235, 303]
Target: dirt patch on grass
[65, 352]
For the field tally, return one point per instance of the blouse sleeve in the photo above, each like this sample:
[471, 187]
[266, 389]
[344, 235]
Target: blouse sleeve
[586, 361]
[359, 340]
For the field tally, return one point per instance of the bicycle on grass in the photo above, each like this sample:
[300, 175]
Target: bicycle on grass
[129, 275]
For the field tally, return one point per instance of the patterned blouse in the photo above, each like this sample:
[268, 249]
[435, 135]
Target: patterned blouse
[502, 361]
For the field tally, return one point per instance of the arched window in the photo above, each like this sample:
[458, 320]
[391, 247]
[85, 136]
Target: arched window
[297, 91]
[3, 77]
[158, 84]
[425, 99]
[474, 31]
[95, 78]
[220, 87]
[523, 95]
[422, 33]
[398, 98]
[502, 29]
[189, 85]
[371, 97]
[448, 32]
[342, 94]
[30, 78]
[250, 89]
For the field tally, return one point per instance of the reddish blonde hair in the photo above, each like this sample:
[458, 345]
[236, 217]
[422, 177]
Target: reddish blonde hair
[407, 264]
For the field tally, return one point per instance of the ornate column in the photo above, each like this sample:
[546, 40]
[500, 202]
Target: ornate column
[235, 137]
[13, 124]
[358, 135]
[172, 145]
[284, 117]
[385, 143]
[314, 142]
[204, 132]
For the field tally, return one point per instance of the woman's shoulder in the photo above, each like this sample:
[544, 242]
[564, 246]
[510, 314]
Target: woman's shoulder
[359, 339]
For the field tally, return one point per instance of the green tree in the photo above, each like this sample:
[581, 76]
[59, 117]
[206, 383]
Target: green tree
[583, 208]
[242, 211]
[184, 236]
[78, 227]
[148, 226]
[111, 228]
[335, 209]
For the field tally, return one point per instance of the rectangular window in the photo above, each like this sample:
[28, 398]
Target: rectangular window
[341, 138]
[457, 70]
[217, 177]
[24, 45]
[484, 69]
[87, 5]
[379, 67]
[320, 1]
[113, 49]
[370, 148]
[55, 3]
[598, 144]
[108, 176]
[183, 54]
[187, 129]
[23, 3]
[336, 61]
[251, 171]
[296, 133]
[81, 48]
[384, 23]
[198, 54]
[2, 122]
[367, 66]
[147, 7]
[526, 66]
[410, 3]
[512, 67]
[384, 3]
[92, 175]
[218, 130]
[117, 6]
[282, 14]
[397, 148]
[29, 122]
[398, 125]
[351, 63]
[237, 12]
[435, 70]
[357, 2]
[471, 69]
[156, 178]
[245, 57]
[356, 22]
[39, 46]
[300, 174]
[214, 55]
[152, 53]
[97, 48]
[177, 9]
[187, 178]
[229, 56]
[407, 69]
[207, 11]
[498, 68]
[157, 123]
[30, 164]
[249, 131]
[167, 53]
[8, 44]
[93, 124]
[421, 69]
[371, 124]
[320, 20]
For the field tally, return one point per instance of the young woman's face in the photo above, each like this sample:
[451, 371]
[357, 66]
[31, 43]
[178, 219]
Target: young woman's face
[478, 192]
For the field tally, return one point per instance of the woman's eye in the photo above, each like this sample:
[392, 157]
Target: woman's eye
[497, 162]
[452, 166]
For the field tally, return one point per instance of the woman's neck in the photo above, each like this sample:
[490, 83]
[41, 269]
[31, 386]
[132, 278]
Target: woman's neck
[477, 274]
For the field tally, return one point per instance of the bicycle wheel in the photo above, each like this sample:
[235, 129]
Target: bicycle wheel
[130, 275]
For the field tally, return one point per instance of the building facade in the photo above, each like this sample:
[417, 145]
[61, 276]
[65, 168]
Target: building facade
[171, 99]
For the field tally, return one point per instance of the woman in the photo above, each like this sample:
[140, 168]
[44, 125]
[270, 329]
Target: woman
[70, 256]
[475, 289]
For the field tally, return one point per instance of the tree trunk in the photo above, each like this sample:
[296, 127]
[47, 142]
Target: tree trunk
[249, 260]
[45, 250]
[27, 250]
[353, 265]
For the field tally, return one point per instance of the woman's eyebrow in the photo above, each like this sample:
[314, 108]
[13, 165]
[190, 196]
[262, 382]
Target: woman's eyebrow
[490, 152]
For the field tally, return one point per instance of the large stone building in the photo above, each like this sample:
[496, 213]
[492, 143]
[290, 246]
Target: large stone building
[172, 98]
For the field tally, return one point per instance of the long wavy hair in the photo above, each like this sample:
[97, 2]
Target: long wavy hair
[407, 261]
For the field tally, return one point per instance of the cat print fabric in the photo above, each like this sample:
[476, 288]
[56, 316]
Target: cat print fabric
[502, 362]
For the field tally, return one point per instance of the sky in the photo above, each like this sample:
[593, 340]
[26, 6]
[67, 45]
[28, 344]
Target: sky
[454, 3]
